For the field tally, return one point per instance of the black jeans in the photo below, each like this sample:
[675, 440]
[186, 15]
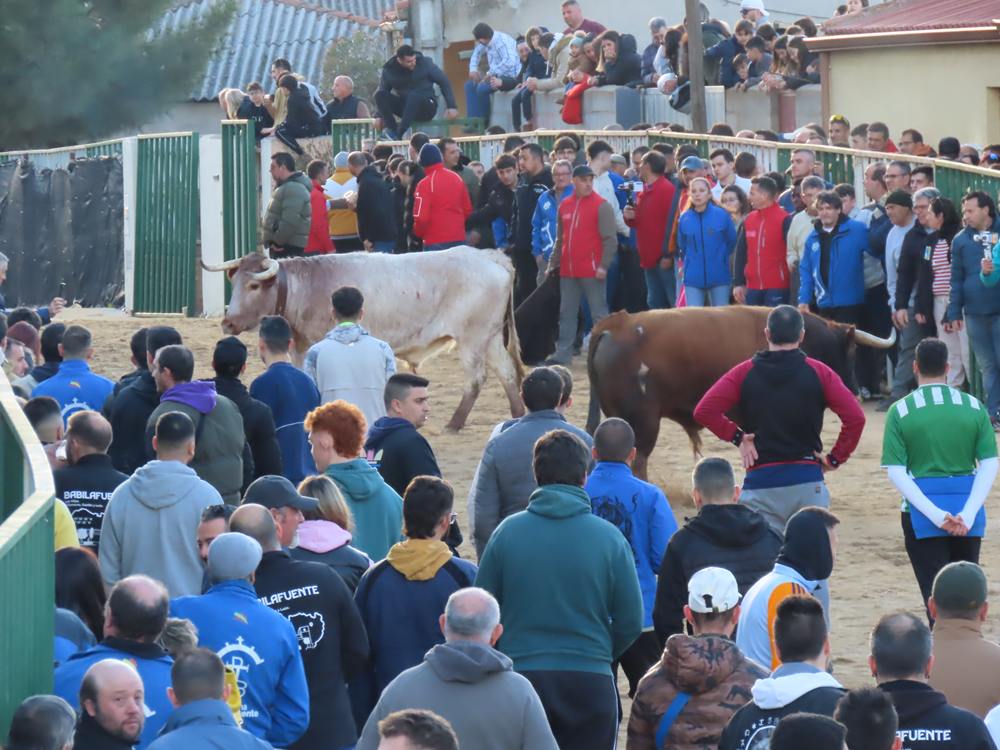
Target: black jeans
[412, 108]
[582, 707]
[522, 103]
[876, 319]
[525, 274]
[644, 652]
[928, 556]
[845, 314]
[288, 132]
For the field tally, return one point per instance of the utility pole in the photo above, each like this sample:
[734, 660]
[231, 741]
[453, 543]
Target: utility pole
[696, 66]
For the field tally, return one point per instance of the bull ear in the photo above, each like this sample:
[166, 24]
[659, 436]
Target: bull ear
[230, 272]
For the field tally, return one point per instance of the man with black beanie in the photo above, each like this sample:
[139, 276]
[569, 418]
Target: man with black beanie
[803, 565]
[130, 410]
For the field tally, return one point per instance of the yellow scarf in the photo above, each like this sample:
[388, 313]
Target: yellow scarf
[419, 559]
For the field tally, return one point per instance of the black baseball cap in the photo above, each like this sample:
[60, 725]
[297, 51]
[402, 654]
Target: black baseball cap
[583, 170]
[274, 491]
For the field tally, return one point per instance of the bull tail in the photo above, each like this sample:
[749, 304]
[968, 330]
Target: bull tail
[594, 408]
[512, 341]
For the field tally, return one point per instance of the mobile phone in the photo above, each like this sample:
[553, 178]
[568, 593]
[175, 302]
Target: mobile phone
[62, 290]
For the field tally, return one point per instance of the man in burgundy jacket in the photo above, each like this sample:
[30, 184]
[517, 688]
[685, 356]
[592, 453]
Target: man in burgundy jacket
[781, 395]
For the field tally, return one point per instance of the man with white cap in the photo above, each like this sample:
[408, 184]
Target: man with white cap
[753, 11]
[703, 676]
[253, 640]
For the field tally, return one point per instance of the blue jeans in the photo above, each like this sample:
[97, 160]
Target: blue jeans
[384, 246]
[716, 296]
[661, 287]
[477, 98]
[767, 297]
[442, 245]
[522, 103]
[984, 336]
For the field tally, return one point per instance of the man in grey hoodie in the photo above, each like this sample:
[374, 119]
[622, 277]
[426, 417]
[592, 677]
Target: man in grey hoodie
[151, 521]
[460, 678]
[504, 481]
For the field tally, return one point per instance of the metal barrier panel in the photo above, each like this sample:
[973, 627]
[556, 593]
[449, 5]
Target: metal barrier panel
[239, 189]
[350, 135]
[166, 223]
[27, 565]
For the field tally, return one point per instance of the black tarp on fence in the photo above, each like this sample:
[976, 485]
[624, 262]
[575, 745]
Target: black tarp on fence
[63, 225]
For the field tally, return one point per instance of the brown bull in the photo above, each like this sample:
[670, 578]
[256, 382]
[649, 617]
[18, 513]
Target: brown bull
[658, 364]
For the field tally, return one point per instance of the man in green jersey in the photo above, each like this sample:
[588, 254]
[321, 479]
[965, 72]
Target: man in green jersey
[934, 439]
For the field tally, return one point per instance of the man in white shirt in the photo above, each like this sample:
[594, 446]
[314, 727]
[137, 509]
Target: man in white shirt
[349, 363]
[724, 166]
[504, 66]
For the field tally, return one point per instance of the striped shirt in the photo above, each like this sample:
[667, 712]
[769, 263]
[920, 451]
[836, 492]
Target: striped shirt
[941, 269]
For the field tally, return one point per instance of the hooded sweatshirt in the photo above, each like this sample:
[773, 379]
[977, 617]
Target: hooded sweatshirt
[76, 388]
[351, 364]
[400, 600]
[580, 566]
[205, 723]
[219, 434]
[455, 681]
[150, 525]
[733, 537]
[376, 507]
[325, 542]
[805, 562]
[709, 668]
[792, 688]
[927, 722]
[399, 452]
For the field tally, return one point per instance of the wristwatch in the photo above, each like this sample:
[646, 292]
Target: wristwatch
[738, 437]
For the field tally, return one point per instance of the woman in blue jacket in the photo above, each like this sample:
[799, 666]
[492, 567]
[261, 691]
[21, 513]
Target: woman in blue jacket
[706, 237]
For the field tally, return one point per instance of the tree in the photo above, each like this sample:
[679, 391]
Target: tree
[80, 70]
[360, 56]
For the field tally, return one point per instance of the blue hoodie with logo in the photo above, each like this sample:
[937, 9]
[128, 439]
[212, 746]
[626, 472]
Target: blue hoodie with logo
[76, 388]
[260, 646]
[150, 661]
[641, 512]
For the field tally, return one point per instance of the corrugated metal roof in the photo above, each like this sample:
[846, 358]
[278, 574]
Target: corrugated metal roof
[917, 15]
[265, 29]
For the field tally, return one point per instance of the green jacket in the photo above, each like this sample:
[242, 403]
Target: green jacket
[218, 450]
[289, 213]
[566, 582]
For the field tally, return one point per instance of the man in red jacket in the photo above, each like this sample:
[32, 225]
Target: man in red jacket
[440, 203]
[586, 242]
[649, 217]
[762, 276]
[319, 233]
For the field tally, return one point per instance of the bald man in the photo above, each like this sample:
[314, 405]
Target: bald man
[641, 512]
[462, 675]
[331, 634]
[111, 707]
[345, 105]
[136, 616]
[85, 485]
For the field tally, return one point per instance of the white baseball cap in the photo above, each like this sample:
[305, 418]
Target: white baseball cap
[713, 590]
[754, 5]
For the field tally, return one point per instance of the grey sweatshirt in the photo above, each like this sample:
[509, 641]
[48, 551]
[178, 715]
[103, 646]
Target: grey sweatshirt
[150, 526]
[474, 687]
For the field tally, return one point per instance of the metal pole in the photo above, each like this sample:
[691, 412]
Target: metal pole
[696, 66]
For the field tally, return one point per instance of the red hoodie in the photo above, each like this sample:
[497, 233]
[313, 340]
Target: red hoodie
[440, 206]
[650, 222]
[319, 236]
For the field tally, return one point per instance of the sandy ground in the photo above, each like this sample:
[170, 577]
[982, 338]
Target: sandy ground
[872, 575]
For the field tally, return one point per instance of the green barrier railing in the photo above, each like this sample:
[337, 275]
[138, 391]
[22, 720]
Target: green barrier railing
[166, 223]
[350, 135]
[27, 565]
[240, 204]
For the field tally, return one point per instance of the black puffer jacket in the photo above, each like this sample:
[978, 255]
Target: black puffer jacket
[525, 199]
[626, 68]
[733, 537]
[128, 415]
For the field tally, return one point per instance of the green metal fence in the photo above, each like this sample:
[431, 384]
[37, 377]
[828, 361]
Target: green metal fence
[350, 135]
[166, 223]
[27, 576]
[239, 189]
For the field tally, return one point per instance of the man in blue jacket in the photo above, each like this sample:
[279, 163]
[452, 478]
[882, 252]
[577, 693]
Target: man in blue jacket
[75, 387]
[290, 393]
[253, 640]
[971, 297]
[544, 221]
[137, 615]
[641, 512]
[201, 716]
[832, 265]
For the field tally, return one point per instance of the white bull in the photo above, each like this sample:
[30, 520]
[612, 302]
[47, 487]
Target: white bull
[420, 303]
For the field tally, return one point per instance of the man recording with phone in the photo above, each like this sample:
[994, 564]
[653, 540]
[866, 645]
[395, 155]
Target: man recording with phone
[56, 306]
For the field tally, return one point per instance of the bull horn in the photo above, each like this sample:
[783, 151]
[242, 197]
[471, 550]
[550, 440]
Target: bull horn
[269, 272]
[222, 266]
[869, 339]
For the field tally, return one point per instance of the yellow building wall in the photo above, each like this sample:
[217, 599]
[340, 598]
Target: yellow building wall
[939, 90]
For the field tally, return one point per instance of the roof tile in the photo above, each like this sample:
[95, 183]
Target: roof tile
[916, 15]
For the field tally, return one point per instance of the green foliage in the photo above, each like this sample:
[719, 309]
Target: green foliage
[78, 70]
[361, 56]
